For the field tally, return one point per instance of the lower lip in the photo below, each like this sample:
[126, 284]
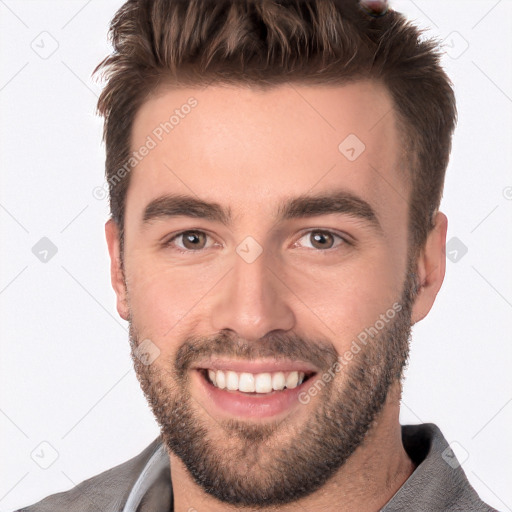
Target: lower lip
[248, 405]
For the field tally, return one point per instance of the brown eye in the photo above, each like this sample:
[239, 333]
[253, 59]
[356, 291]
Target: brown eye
[188, 241]
[322, 240]
[193, 239]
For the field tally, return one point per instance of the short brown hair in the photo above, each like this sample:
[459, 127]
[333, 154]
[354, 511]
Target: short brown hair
[267, 42]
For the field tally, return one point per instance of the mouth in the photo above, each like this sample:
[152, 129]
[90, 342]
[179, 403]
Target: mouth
[229, 393]
[264, 383]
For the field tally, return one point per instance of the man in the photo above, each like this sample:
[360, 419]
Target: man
[275, 174]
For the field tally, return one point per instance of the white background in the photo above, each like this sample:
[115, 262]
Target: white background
[66, 375]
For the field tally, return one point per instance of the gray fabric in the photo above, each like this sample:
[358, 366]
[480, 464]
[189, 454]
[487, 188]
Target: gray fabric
[438, 483]
[143, 483]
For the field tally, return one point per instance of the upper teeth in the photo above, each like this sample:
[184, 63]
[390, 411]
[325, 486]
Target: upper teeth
[259, 382]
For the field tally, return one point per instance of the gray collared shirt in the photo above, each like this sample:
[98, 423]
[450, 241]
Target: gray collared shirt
[143, 483]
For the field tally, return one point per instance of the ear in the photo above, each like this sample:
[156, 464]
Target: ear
[431, 266]
[116, 272]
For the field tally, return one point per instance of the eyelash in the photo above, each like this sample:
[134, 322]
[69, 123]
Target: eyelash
[344, 240]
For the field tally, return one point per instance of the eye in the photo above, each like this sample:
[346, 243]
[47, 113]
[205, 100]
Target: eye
[196, 241]
[192, 240]
[323, 239]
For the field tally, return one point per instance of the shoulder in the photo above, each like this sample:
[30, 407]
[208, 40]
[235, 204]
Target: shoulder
[104, 492]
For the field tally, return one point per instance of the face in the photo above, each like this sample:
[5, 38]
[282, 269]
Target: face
[266, 279]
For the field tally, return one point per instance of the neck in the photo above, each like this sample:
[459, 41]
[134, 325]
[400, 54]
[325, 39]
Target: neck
[366, 482]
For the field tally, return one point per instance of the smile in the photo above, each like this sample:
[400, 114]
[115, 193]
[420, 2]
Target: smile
[249, 389]
[255, 382]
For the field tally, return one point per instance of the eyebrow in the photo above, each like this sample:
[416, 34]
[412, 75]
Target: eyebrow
[303, 206]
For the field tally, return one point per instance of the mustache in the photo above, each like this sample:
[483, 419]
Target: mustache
[320, 353]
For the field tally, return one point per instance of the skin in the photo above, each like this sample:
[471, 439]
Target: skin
[247, 150]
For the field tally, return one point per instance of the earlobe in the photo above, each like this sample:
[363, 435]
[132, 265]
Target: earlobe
[431, 266]
[116, 271]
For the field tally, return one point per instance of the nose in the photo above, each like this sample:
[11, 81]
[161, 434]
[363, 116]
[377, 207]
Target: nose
[252, 301]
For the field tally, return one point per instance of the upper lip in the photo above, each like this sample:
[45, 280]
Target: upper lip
[259, 366]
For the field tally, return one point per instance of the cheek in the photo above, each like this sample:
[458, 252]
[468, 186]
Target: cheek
[165, 299]
[346, 299]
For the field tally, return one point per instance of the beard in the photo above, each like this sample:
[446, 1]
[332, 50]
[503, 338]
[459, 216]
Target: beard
[250, 464]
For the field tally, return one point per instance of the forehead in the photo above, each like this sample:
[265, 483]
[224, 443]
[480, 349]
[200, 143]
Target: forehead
[250, 148]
